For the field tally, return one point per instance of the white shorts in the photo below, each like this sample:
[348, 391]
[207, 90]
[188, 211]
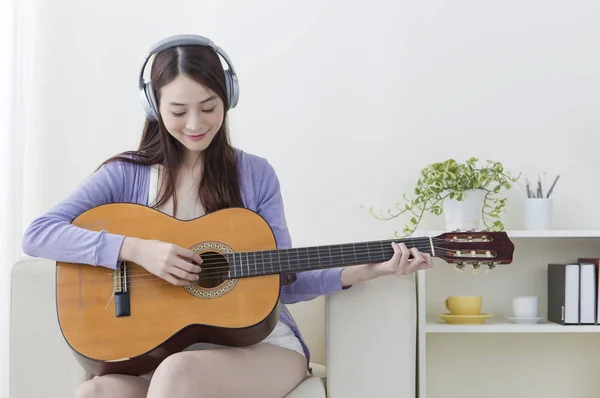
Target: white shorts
[281, 336]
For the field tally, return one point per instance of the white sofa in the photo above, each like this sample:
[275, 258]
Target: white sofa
[364, 339]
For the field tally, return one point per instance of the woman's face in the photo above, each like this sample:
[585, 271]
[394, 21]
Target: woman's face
[191, 112]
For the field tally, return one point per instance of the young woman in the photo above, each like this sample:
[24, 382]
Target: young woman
[186, 167]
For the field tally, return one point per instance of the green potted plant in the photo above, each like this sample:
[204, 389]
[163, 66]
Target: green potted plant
[467, 194]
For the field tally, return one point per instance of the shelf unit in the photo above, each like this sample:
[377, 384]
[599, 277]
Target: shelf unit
[444, 349]
[508, 327]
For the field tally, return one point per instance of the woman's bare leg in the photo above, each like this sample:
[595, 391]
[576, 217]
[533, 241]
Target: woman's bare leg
[113, 386]
[259, 371]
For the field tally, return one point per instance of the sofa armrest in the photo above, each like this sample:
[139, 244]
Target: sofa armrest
[41, 363]
[371, 339]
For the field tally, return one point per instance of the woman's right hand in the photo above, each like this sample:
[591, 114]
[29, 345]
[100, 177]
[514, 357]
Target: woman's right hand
[165, 260]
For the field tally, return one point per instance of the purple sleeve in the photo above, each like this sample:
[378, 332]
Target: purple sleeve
[308, 284]
[52, 235]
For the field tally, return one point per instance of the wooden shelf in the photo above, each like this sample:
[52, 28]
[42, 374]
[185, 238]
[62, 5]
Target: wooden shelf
[507, 327]
[523, 233]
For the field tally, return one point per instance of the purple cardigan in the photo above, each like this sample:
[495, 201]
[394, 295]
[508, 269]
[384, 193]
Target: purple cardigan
[52, 236]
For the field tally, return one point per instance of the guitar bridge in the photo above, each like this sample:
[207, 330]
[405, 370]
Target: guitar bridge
[121, 290]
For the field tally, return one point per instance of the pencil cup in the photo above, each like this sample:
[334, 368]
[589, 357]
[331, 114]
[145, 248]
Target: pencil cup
[538, 213]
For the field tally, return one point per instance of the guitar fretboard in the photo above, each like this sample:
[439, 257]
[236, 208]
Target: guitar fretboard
[268, 262]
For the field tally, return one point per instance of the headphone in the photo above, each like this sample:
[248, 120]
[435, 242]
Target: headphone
[147, 96]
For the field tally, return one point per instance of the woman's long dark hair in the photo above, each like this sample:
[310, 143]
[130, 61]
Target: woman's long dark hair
[219, 187]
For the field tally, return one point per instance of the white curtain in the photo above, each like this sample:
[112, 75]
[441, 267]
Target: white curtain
[10, 192]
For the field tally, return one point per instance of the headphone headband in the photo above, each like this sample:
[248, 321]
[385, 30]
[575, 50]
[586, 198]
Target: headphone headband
[147, 96]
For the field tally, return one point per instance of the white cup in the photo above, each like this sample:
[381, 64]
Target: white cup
[538, 213]
[526, 307]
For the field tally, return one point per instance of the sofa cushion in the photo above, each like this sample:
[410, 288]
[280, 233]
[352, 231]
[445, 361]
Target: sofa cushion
[38, 350]
[312, 387]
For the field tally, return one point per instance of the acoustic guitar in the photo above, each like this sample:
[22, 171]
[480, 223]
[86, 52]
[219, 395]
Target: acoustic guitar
[128, 320]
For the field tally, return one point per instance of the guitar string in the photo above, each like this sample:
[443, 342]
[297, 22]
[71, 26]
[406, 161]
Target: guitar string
[217, 265]
[202, 277]
[153, 279]
[315, 250]
[141, 278]
[424, 242]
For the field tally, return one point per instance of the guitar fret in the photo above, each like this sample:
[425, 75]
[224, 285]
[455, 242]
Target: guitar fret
[307, 258]
[262, 262]
[318, 257]
[325, 259]
[336, 254]
[229, 262]
[287, 256]
[294, 259]
[362, 253]
[349, 256]
[271, 268]
[279, 264]
[314, 253]
[266, 261]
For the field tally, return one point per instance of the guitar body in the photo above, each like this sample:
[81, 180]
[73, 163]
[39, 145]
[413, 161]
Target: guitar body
[132, 332]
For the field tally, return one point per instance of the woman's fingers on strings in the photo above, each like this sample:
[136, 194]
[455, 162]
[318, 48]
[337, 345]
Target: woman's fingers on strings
[190, 255]
[178, 271]
[404, 259]
[417, 256]
[397, 257]
[422, 262]
[187, 266]
[428, 260]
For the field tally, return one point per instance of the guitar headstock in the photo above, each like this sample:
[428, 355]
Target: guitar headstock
[474, 247]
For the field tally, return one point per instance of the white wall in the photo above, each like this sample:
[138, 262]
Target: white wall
[347, 100]
[9, 176]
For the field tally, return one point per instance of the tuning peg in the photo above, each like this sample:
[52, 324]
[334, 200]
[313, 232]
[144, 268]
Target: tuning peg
[476, 266]
[491, 266]
[460, 266]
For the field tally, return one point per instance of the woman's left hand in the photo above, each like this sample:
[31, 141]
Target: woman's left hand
[400, 263]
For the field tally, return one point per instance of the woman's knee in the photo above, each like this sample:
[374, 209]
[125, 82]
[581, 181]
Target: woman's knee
[112, 386]
[179, 367]
[91, 389]
[178, 373]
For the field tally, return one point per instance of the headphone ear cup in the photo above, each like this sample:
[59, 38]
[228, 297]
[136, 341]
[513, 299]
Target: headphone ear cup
[144, 101]
[232, 89]
[151, 101]
[228, 89]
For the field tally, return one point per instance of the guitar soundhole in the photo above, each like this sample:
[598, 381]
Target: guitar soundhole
[214, 270]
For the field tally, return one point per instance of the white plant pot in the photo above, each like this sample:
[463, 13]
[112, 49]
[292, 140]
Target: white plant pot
[466, 214]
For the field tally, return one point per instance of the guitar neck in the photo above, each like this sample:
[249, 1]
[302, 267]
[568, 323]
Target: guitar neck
[266, 262]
